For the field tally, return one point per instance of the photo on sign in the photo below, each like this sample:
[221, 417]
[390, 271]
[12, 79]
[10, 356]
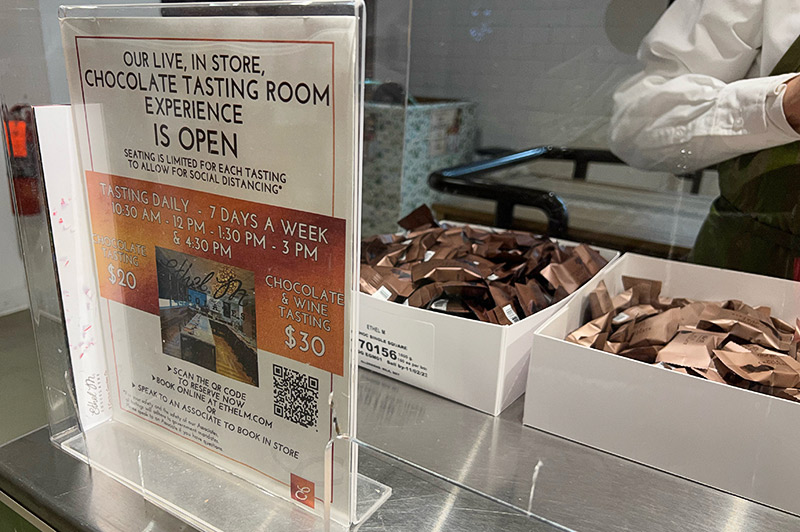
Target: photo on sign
[208, 314]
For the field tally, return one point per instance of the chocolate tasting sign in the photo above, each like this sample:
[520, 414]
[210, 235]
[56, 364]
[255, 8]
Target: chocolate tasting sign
[219, 163]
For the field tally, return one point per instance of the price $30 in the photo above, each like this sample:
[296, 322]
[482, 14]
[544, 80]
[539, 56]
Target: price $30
[315, 343]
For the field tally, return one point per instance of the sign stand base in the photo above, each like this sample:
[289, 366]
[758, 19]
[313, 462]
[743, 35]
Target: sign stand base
[205, 496]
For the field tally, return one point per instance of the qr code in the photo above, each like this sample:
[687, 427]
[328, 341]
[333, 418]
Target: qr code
[296, 396]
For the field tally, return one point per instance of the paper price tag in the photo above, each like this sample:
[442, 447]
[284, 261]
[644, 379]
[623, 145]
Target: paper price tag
[439, 304]
[395, 346]
[510, 314]
[619, 318]
[382, 293]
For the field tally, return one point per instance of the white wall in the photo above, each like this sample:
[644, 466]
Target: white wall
[51, 36]
[23, 79]
[542, 71]
[392, 22]
[31, 71]
[53, 50]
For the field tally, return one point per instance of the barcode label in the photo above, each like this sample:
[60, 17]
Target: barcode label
[439, 304]
[383, 293]
[620, 318]
[510, 314]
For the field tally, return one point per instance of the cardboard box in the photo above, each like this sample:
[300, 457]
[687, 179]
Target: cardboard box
[481, 365]
[735, 440]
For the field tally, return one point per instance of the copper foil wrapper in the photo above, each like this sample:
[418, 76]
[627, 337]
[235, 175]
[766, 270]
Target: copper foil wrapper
[749, 326]
[451, 306]
[655, 330]
[570, 274]
[632, 314]
[474, 292]
[642, 354]
[370, 280]
[589, 334]
[728, 342]
[419, 217]
[649, 289]
[599, 301]
[423, 295]
[494, 276]
[691, 348]
[709, 373]
[591, 258]
[444, 270]
[399, 282]
[790, 394]
[531, 297]
[760, 365]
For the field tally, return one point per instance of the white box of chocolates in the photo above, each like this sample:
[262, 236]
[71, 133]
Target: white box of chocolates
[725, 436]
[479, 364]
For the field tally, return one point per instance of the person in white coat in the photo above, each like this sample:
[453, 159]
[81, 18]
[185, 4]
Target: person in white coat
[720, 87]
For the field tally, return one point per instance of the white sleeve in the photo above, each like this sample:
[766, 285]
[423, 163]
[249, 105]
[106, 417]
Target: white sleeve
[690, 107]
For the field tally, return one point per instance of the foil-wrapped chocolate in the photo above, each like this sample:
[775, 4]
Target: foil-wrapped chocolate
[490, 275]
[749, 326]
[593, 334]
[423, 295]
[691, 348]
[570, 274]
[418, 219]
[599, 301]
[760, 365]
[728, 342]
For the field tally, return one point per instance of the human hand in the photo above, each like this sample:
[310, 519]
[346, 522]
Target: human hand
[791, 103]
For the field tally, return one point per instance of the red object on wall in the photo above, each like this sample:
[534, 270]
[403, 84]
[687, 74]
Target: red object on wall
[16, 138]
[26, 196]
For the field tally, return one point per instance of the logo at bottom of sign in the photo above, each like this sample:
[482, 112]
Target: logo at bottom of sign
[302, 490]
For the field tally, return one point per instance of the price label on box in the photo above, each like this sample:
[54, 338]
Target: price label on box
[397, 346]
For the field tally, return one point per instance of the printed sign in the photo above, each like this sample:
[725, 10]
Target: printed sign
[220, 173]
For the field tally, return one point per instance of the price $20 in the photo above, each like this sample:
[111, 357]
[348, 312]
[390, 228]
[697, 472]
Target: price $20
[121, 277]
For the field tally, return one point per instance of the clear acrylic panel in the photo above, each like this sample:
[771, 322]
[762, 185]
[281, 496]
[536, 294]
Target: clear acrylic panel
[386, 110]
[196, 488]
[527, 115]
[33, 229]
[216, 75]
[202, 493]
[572, 139]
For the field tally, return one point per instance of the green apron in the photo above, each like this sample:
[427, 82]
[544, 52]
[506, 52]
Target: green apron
[754, 225]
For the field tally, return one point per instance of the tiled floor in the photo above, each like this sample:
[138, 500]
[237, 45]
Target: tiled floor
[21, 399]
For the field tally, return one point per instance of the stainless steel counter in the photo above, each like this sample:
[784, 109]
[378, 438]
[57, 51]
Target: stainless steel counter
[576, 486]
[68, 496]
[491, 461]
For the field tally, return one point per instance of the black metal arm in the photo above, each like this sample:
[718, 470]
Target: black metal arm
[470, 180]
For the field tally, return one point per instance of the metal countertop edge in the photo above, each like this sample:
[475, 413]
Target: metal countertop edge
[36, 502]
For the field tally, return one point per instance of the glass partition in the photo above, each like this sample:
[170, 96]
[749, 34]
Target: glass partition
[619, 125]
[556, 144]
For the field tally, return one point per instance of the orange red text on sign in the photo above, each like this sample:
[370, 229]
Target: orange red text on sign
[298, 258]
